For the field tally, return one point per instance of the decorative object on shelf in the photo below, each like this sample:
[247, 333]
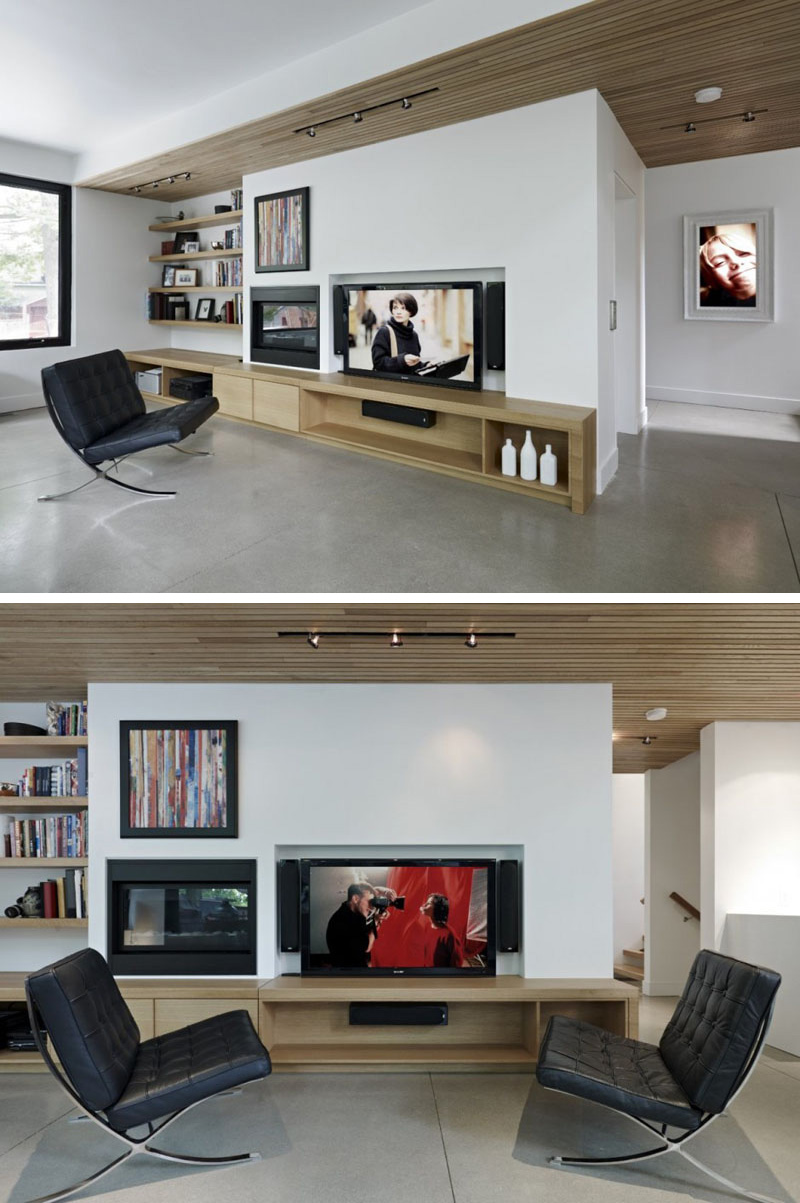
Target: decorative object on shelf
[29, 906]
[22, 729]
[216, 245]
[282, 223]
[168, 247]
[168, 276]
[222, 208]
[182, 238]
[527, 458]
[205, 310]
[727, 266]
[509, 459]
[548, 467]
[185, 277]
[178, 779]
[191, 248]
[8, 789]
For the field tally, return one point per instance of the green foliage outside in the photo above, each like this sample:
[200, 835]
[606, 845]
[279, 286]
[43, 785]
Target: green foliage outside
[28, 241]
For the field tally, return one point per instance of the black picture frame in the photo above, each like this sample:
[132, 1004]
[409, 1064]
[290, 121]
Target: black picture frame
[204, 311]
[168, 276]
[150, 781]
[182, 237]
[282, 223]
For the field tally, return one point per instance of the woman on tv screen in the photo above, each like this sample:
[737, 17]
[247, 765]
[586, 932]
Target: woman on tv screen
[396, 346]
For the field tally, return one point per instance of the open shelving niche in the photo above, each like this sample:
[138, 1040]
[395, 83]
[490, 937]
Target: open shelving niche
[198, 223]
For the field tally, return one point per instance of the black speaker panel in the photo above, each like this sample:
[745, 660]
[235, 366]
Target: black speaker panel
[339, 319]
[508, 905]
[390, 412]
[289, 905]
[496, 325]
[398, 1014]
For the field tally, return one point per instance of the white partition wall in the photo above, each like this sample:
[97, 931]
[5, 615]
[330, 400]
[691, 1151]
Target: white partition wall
[434, 767]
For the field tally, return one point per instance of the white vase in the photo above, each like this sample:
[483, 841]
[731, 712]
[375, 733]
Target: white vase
[527, 459]
[508, 459]
[548, 467]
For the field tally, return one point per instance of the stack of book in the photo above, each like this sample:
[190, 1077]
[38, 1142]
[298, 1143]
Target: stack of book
[64, 780]
[227, 272]
[51, 835]
[231, 311]
[65, 897]
[66, 718]
[237, 197]
[233, 238]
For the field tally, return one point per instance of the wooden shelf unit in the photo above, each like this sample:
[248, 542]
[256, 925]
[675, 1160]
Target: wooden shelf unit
[200, 223]
[49, 802]
[494, 1024]
[465, 440]
[43, 922]
[184, 256]
[17, 746]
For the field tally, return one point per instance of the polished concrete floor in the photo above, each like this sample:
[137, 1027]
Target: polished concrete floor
[405, 1138]
[705, 500]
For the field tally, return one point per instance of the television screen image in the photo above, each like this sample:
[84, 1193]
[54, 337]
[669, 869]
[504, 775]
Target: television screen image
[288, 317]
[429, 333]
[398, 917]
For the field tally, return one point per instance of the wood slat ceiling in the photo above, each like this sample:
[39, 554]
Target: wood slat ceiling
[646, 57]
[705, 662]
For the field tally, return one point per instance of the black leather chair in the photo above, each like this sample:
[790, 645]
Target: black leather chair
[98, 410]
[707, 1052]
[123, 1083]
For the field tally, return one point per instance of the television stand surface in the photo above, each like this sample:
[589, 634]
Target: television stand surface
[495, 1024]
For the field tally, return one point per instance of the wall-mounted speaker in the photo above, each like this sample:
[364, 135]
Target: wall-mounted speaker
[508, 905]
[339, 319]
[496, 324]
[289, 905]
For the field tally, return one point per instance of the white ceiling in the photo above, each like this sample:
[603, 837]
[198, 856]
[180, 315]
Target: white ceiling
[86, 71]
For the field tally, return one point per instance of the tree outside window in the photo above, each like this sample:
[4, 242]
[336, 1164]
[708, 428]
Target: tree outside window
[35, 239]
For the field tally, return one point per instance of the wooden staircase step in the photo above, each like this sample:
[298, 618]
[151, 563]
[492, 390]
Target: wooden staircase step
[635, 954]
[628, 973]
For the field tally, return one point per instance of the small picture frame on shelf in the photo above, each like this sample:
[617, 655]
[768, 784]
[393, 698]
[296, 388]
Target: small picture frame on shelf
[168, 248]
[168, 277]
[181, 239]
[191, 248]
[186, 277]
[181, 312]
[205, 310]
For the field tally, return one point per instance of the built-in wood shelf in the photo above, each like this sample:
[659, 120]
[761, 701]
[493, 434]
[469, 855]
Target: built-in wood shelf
[46, 803]
[180, 257]
[201, 288]
[200, 223]
[163, 321]
[43, 862]
[15, 746]
[44, 922]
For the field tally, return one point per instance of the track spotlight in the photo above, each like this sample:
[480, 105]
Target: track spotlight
[187, 175]
[471, 640]
[395, 640]
[405, 103]
[154, 184]
[312, 133]
[137, 189]
[691, 128]
[171, 179]
[748, 116]
[313, 639]
[648, 739]
[357, 117]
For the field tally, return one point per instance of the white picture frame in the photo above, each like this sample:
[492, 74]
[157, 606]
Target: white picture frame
[717, 282]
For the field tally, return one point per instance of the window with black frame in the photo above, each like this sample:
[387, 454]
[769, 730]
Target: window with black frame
[35, 263]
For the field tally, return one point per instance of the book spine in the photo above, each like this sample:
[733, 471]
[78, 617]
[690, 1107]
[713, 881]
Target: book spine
[61, 903]
[50, 899]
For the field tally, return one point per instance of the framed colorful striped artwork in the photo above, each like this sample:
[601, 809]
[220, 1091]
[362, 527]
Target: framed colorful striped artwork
[282, 222]
[178, 779]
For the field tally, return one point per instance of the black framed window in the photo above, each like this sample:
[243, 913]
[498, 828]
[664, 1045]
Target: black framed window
[35, 263]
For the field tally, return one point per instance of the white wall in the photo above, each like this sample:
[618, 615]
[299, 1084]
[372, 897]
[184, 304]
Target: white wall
[628, 830]
[380, 766]
[110, 274]
[21, 949]
[772, 941]
[672, 863]
[749, 365]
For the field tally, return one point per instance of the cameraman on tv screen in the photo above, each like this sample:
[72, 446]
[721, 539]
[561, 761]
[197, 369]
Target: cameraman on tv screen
[353, 928]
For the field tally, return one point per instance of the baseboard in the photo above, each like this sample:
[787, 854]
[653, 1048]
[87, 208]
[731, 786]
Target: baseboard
[607, 471]
[12, 405]
[669, 989]
[774, 405]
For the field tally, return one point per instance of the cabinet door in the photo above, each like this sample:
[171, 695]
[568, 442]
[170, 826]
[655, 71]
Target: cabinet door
[172, 1013]
[235, 395]
[276, 404]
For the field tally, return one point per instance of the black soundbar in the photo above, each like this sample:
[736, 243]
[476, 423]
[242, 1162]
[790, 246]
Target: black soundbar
[398, 413]
[398, 1014]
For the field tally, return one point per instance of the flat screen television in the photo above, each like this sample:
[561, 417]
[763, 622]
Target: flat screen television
[392, 917]
[416, 333]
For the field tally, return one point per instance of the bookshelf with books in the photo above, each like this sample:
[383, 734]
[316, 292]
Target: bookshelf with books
[44, 827]
[174, 300]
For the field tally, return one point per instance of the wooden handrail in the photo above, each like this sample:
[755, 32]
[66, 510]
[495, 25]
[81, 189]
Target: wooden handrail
[687, 906]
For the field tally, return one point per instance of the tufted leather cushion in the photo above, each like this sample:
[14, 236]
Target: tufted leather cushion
[93, 1032]
[152, 430]
[707, 1041]
[92, 395]
[182, 1067]
[628, 1075]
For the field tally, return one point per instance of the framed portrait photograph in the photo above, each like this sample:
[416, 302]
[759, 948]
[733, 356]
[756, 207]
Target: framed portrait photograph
[178, 779]
[168, 277]
[728, 266]
[282, 225]
[205, 310]
[191, 248]
[185, 277]
[182, 238]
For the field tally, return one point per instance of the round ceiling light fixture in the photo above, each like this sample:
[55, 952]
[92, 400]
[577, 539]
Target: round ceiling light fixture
[656, 714]
[707, 95]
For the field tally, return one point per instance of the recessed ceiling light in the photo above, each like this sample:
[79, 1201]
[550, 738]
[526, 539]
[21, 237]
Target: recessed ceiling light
[706, 95]
[657, 713]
